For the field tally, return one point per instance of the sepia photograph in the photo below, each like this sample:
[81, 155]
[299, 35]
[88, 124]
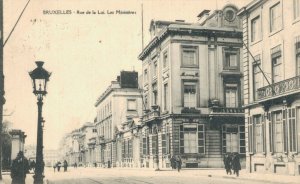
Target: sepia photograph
[149, 91]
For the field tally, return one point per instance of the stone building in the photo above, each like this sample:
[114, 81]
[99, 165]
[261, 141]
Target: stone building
[192, 79]
[121, 101]
[271, 63]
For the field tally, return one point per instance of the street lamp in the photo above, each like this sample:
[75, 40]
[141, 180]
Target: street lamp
[39, 77]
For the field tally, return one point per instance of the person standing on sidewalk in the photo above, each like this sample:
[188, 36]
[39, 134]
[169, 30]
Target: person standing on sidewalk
[65, 166]
[173, 162]
[178, 163]
[19, 169]
[227, 163]
[236, 165]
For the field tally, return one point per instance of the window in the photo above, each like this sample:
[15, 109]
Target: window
[154, 68]
[257, 77]
[165, 140]
[154, 92]
[276, 64]
[165, 59]
[189, 57]
[297, 46]
[231, 95]
[189, 96]
[166, 97]
[292, 130]
[277, 126]
[296, 9]
[255, 29]
[259, 133]
[154, 145]
[242, 139]
[275, 18]
[131, 105]
[231, 59]
[192, 138]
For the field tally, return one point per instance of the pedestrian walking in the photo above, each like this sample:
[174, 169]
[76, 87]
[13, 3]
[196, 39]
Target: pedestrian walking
[65, 166]
[236, 165]
[58, 165]
[227, 163]
[178, 163]
[173, 162]
[54, 167]
[75, 165]
[19, 169]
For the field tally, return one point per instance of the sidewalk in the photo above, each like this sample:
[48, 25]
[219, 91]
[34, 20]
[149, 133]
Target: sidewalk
[243, 176]
[7, 179]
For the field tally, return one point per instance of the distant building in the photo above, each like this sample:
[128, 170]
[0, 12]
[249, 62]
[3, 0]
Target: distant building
[192, 91]
[272, 85]
[121, 101]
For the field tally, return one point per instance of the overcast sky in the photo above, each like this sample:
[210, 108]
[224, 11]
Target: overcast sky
[83, 52]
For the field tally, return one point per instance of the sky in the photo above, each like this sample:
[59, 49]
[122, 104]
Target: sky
[84, 52]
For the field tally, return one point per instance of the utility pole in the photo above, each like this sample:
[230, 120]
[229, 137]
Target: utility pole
[2, 100]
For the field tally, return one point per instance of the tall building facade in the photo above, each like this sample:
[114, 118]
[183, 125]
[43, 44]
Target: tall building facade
[121, 101]
[192, 79]
[271, 63]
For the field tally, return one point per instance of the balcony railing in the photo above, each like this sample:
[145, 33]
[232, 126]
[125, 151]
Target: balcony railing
[279, 88]
[151, 115]
[227, 110]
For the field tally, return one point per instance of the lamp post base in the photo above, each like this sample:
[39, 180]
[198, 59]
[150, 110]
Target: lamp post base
[38, 179]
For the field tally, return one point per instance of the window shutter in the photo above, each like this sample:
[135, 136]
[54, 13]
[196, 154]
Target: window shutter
[201, 139]
[123, 150]
[181, 137]
[250, 134]
[163, 143]
[141, 139]
[263, 124]
[224, 138]
[285, 130]
[271, 127]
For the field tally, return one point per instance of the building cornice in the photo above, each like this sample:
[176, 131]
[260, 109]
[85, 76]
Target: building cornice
[249, 7]
[194, 30]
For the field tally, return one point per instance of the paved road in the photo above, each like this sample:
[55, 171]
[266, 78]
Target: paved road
[117, 176]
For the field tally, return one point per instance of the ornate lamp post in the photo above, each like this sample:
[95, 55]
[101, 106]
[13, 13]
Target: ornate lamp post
[39, 77]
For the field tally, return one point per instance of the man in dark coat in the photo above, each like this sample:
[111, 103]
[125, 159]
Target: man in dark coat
[227, 163]
[173, 162]
[178, 163]
[236, 165]
[19, 169]
[65, 166]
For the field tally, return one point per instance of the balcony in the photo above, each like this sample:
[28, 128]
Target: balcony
[282, 88]
[227, 110]
[151, 115]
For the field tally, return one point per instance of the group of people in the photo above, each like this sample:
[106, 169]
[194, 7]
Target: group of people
[58, 166]
[20, 167]
[176, 162]
[232, 162]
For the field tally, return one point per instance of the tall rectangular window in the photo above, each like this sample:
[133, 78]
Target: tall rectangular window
[154, 92]
[155, 68]
[231, 58]
[166, 97]
[255, 29]
[275, 18]
[276, 64]
[277, 131]
[257, 78]
[189, 96]
[297, 48]
[192, 138]
[189, 56]
[165, 59]
[296, 9]
[231, 95]
[292, 130]
[259, 133]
